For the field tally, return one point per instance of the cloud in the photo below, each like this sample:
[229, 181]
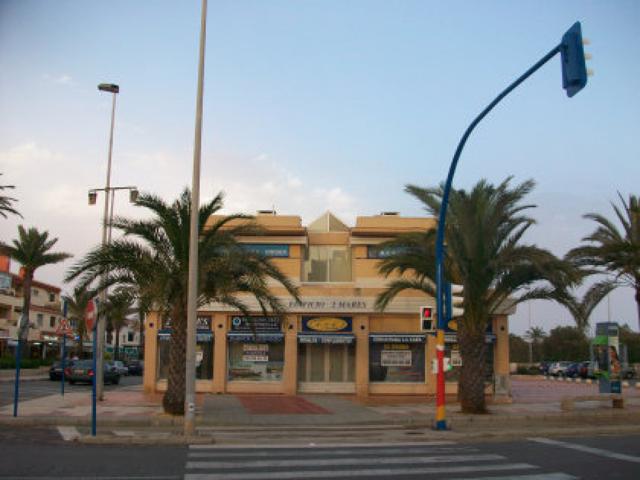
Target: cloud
[62, 79]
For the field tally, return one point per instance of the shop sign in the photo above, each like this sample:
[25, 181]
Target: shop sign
[327, 324]
[255, 352]
[331, 305]
[255, 338]
[323, 338]
[256, 324]
[203, 322]
[268, 250]
[395, 358]
[391, 338]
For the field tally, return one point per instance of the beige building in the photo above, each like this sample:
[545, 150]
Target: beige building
[44, 313]
[333, 340]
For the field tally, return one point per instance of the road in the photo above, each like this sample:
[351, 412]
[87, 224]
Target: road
[531, 459]
[40, 388]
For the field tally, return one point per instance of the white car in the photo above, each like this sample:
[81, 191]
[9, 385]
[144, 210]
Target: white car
[558, 368]
[119, 367]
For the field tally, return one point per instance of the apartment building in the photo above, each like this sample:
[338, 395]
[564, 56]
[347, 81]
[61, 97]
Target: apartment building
[333, 340]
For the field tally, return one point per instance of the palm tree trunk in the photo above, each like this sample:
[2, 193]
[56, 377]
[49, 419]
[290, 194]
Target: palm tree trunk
[23, 328]
[638, 301]
[141, 316]
[471, 385]
[116, 356]
[174, 397]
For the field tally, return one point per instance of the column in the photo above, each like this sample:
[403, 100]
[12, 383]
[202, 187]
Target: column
[361, 332]
[290, 372]
[219, 352]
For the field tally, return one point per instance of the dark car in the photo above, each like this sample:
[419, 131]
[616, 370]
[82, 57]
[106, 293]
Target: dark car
[55, 372]
[82, 371]
[544, 368]
[584, 370]
[136, 367]
[573, 370]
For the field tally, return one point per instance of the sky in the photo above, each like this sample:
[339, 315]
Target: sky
[317, 105]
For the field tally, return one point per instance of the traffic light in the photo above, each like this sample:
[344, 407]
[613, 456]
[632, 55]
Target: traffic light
[427, 320]
[574, 68]
[457, 301]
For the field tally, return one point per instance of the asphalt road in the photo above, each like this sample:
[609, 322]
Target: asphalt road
[41, 454]
[40, 388]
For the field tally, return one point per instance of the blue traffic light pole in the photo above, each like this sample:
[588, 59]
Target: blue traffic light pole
[574, 79]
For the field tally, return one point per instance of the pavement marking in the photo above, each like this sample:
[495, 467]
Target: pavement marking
[124, 433]
[68, 433]
[385, 472]
[542, 476]
[584, 448]
[97, 477]
[341, 453]
[305, 462]
[311, 445]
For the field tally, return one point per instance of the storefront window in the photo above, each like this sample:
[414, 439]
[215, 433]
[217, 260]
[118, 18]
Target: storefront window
[452, 351]
[326, 362]
[256, 361]
[204, 356]
[397, 358]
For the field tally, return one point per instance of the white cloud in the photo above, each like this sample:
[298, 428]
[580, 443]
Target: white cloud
[62, 79]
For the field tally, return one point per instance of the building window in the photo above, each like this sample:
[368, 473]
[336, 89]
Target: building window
[397, 362]
[35, 292]
[250, 361]
[74, 323]
[323, 263]
[52, 322]
[318, 362]
[40, 319]
[52, 297]
[130, 336]
[204, 356]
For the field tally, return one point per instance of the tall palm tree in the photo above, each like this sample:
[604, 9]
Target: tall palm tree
[611, 250]
[32, 250]
[6, 202]
[581, 309]
[76, 307]
[486, 255]
[535, 335]
[119, 306]
[153, 257]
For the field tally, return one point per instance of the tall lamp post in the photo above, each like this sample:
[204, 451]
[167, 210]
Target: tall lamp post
[100, 329]
[574, 79]
[192, 296]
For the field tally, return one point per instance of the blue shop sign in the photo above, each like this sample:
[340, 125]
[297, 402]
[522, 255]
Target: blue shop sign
[268, 249]
[256, 324]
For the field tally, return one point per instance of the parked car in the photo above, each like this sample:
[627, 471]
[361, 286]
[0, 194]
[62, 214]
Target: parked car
[55, 372]
[544, 368]
[119, 367]
[573, 370]
[82, 371]
[628, 372]
[558, 368]
[585, 370]
[136, 367]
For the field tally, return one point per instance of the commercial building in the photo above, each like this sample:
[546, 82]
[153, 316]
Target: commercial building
[44, 313]
[333, 340]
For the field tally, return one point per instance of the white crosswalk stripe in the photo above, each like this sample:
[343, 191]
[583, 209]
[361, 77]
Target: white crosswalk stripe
[449, 461]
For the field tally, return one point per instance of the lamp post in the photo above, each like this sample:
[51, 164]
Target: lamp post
[574, 79]
[99, 332]
[192, 296]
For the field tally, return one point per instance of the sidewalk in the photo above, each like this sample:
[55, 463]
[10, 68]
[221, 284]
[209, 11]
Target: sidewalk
[220, 418]
[26, 374]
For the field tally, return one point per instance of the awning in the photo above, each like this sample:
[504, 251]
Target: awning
[335, 338]
[201, 335]
[453, 338]
[396, 338]
[256, 338]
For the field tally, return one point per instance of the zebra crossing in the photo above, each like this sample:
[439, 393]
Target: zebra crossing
[440, 459]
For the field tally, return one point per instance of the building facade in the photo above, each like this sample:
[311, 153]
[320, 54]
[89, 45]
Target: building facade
[333, 340]
[44, 313]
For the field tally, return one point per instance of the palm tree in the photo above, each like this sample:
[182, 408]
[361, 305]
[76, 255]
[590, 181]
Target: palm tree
[485, 254]
[153, 257]
[581, 310]
[610, 250]
[118, 307]
[6, 202]
[535, 335]
[32, 251]
[77, 306]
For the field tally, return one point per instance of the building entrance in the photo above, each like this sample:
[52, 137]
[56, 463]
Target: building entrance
[328, 368]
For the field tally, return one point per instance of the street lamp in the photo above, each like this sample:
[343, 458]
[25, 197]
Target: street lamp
[574, 79]
[100, 329]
